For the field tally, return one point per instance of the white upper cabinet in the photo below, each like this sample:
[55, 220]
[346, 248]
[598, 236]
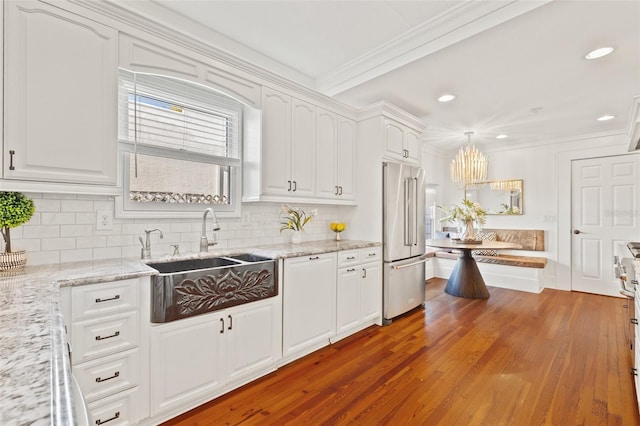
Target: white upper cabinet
[306, 153]
[303, 145]
[60, 79]
[335, 154]
[288, 145]
[276, 142]
[401, 142]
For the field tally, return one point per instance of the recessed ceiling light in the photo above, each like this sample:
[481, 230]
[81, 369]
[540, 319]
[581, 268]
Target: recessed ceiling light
[599, 53]
[446, 98]
[606, 117]
[502, 136]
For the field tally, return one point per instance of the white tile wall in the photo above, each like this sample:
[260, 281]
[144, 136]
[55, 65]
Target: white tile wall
[63, 229]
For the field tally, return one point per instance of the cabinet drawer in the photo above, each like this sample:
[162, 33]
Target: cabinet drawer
[107, 298]
[116, 410]
[355, 257]
[108, 375]
[348, 258]
[103, 336]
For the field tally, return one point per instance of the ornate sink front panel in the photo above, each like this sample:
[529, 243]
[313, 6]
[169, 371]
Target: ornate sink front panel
[185, 294]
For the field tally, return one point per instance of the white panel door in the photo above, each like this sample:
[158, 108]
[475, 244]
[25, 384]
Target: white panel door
[276, 140]
[605, 207]
[303, 149]
[61, 84]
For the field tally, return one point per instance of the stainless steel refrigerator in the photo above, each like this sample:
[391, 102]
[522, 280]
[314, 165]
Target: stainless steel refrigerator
[403, 238]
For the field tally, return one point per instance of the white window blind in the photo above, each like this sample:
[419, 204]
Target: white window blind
[169, 113]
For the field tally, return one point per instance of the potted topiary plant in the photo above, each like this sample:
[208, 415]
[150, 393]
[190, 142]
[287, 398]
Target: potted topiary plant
[15, 209]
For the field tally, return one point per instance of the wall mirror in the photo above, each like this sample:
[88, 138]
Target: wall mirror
[500, 197]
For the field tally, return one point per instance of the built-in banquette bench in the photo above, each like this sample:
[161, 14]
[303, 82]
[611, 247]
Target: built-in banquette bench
[518, 272]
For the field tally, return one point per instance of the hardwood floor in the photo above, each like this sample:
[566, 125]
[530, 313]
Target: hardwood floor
[557, 358]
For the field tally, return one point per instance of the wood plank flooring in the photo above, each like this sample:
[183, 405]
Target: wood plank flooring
[557, 358]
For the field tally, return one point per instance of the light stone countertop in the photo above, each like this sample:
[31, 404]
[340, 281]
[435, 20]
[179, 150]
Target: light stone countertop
[34, 367]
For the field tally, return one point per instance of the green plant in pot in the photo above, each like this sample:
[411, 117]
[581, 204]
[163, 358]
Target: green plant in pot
[15, 209]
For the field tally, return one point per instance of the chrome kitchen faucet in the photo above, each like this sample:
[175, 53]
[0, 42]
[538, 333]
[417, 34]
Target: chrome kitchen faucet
[204, 243]
[145, 253]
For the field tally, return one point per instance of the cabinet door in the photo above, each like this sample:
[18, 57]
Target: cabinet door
[253, 339]
[276, 142]
[186, 362]
[61, 83]
[303, 146]
[309, 303]
[348, 299]
[412, 146]
[370, 292]
[326, 154]
[346, 156]
[394, 139]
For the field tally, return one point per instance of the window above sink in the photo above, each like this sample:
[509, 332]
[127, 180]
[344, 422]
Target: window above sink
[180, 148]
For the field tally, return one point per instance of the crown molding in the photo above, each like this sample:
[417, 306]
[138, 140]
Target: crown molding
[387, 109]
[151, 18]
[458, 23]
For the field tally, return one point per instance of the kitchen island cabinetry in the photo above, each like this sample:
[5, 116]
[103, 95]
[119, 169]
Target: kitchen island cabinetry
[309, 304]
[359, 290]
[61, 83]
[196, 359]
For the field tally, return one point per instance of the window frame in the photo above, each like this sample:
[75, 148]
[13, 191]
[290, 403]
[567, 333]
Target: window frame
[125, 208]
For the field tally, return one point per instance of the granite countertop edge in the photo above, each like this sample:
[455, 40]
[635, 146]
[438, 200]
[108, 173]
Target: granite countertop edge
[32, 321]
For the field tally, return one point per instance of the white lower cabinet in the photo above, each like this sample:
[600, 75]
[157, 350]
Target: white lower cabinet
[359, 291]
[107, 353]
[309, 304]
[196, 359]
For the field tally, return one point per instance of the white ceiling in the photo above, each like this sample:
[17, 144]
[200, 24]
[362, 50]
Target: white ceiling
[502, 59]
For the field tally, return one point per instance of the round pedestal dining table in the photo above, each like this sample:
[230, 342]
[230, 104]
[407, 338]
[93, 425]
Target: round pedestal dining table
[465, 279]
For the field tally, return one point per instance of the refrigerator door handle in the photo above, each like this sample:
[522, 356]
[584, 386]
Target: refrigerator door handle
[414, 204]
[407, 214]
[407, 265]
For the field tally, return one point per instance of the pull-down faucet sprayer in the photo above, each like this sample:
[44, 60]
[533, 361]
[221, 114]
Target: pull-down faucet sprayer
[204, 243]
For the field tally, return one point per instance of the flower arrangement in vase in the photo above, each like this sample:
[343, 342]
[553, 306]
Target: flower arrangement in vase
[295, 220]
[337, 227]
[466, 216]
[15, 210]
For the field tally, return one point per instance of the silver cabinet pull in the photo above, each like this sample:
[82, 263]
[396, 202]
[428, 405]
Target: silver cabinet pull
[100, 379]
[221, 326]
[351, 269]
[340, 190]
[371, 254]
[364, 273]
[116, 334]
[115, 416]
[11, 154]
[314, 258]
[289, 185]
[230, 322]
[116, 297]
[295, 186]
[634, 321]
[336, 193]
[350, 257]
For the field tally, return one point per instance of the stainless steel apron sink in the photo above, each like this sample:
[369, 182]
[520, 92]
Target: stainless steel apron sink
[189, 287]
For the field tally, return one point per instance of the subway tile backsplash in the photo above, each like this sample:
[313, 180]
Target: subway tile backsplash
[63, 229]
